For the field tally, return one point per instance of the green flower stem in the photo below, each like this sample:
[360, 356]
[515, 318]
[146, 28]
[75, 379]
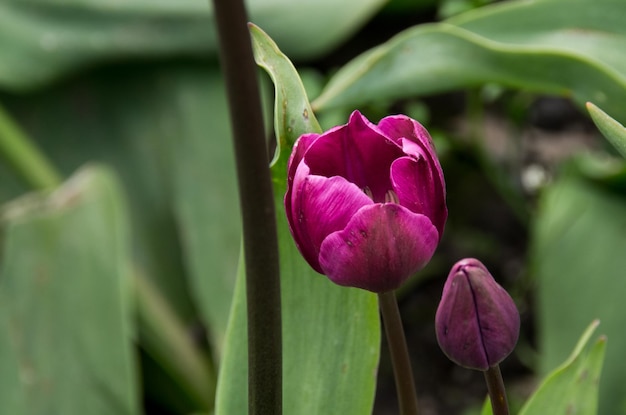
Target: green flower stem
[24, 157]
[164, 338]
[257, 206]
[400, 360]
[497, 394]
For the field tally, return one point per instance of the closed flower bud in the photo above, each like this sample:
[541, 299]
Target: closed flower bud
[477, 323]
[366, 203]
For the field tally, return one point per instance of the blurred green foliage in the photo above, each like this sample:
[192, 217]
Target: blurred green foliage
[136, 86]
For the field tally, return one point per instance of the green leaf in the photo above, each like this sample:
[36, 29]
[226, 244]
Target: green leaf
[486, 409]
[611, 129]
[330, 333]
[165, 131]
[205, 200]
[562, 47]
[573, 386]
[577, 258]
[71, 34]
[293, 115]
[65, 304]
[331, 338]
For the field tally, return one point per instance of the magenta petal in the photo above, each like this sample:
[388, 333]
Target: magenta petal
[381, 246]
[414, 139]
[499, 318]
[300, 147]
[463, 342]
[357, 151]
[417, 189]
[400, 126]
[477, 323]
[322, 206]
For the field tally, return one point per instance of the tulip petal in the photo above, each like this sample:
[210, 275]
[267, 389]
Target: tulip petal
[413, 148]
[297, 171]
[323, 206]
[417, 143]
[399, 127]
[458, 328]
[357, 151]
[413, 182]
[300, 147]
[477, 323]
[381, 246]
[499, 318]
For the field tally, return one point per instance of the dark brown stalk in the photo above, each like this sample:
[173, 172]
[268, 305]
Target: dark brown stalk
[497, 394]
[257, 205]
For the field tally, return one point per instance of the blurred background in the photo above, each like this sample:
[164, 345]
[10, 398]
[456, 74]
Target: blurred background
[130, 96]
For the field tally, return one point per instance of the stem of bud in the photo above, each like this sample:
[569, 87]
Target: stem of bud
[497, 393]
[405, 386]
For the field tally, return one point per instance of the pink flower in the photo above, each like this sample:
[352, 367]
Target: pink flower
[477, 323]
[366, 203]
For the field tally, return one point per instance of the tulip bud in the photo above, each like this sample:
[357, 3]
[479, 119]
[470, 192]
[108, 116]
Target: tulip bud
[366, 203]
[477, 323]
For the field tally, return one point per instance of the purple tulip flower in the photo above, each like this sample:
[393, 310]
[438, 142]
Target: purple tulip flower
[477, 323]
[366, 203]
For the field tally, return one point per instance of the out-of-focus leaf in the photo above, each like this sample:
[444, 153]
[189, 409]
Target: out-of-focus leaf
[573, 386]
[564, 47]
[578, 259]
[205, 199]
[41, 40]
[486, 409]
[165, 132]
[611, 129]
[330, 333]
[65, 302]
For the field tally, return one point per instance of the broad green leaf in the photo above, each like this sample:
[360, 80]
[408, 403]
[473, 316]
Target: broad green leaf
[64, 36]
[563, 47]
[330, 333]
[206, 204]
[120, 117]
[65, 302]
[330, 345]
[577, 258]
[611, 129]
[573, 386]
[165, 131]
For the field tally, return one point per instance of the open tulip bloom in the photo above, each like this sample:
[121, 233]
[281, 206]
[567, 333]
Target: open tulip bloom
[366, 203]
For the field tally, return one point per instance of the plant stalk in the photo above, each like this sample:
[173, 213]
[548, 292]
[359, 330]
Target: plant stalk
[257, 206]
[405, 386]
[24, 157]
[497, 393]
[164, 338]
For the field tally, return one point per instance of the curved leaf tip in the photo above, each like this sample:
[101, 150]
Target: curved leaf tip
[609, 127]
[293, 115]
